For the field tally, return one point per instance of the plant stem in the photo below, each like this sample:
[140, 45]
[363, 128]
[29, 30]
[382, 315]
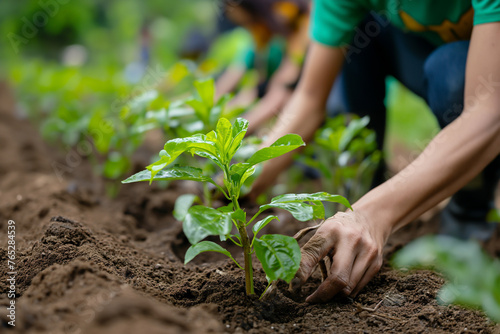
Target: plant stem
[247, 251]
[206, 195]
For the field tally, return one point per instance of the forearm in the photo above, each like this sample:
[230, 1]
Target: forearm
[449, 162]
[229, 80]
[457, 154]
[288, 73]
[269, 106]
[304, 112]
[291, 120]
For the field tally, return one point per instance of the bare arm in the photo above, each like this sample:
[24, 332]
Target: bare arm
[453, 158]
[288, 73]
[459, 152]
[276, 97]
[304, 112]
[229, 80]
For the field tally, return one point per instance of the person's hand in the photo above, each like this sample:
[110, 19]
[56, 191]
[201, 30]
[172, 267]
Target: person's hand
[355, 245]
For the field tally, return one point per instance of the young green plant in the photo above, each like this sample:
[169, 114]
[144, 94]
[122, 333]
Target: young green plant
[345, 152]
[279, 255]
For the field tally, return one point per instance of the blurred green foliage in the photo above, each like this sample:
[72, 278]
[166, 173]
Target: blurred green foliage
[108, 29]
[92, 105]
[493, 216]
[95, 102]
[345, 152]
[473, 276]
[410, 122]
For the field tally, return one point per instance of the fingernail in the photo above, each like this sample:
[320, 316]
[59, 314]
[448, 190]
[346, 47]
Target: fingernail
[313, 299]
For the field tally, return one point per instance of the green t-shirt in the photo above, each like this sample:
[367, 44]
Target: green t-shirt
[439, 21]
[265, 61]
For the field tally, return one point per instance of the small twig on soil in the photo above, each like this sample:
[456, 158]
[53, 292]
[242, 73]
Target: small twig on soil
[374, 312]
[364, 308]
[361, 308]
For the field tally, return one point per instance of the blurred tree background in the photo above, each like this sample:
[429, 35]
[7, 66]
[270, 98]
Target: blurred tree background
[70, 60]
[109, 30]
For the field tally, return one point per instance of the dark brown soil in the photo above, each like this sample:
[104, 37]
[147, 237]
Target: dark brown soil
[88, 264]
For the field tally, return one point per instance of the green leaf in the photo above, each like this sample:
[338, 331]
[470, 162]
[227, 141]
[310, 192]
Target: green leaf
[182, 205]
[281, 146]
[241, 171]
[205, 246]
[239, 130]
[200, 222]
[174, 173]
[280, 256]
[300, 211]
[262, 223]
[226, 209]
[351, 131]
[224, 129]
[199, 109]
[240, 215]
[206, 91]
[214, 114]
[249, 172]
[223, 100]
[197, 144]
[116, 165]
[305, 207]
[320, 196]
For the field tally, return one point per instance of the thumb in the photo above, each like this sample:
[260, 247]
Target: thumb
[312, 252]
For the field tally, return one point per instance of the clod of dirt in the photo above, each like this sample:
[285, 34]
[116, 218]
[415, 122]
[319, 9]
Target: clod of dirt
[79, 297]
[64, 297]
[132, 313]
[66, 231]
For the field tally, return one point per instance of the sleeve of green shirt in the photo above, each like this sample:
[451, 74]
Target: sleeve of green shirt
[486, 11]
[333, 21]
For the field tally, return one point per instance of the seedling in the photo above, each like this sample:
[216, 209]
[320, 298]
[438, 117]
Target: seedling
[196, 114]
[279, 255]
[346, 156]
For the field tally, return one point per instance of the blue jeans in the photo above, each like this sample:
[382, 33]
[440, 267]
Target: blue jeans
[437, 74]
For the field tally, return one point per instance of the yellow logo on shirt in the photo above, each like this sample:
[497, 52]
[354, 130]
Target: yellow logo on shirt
[447, 30]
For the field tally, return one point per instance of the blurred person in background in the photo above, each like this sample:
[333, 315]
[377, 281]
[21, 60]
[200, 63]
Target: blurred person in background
[279, 31]
[445, 52]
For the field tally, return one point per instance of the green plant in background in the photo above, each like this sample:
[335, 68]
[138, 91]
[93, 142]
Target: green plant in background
[185, 117]
[76, 105]
[198, 113]
[78, 110]
[473, 276]
[98, 111]
[346, 155]
[280, 255]
[493, 216]
[108, 30]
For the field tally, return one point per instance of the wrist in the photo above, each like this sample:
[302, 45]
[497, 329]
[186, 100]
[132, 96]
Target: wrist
[378, 219]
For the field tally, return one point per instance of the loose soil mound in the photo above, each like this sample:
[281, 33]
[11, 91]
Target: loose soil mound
[88, 264]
